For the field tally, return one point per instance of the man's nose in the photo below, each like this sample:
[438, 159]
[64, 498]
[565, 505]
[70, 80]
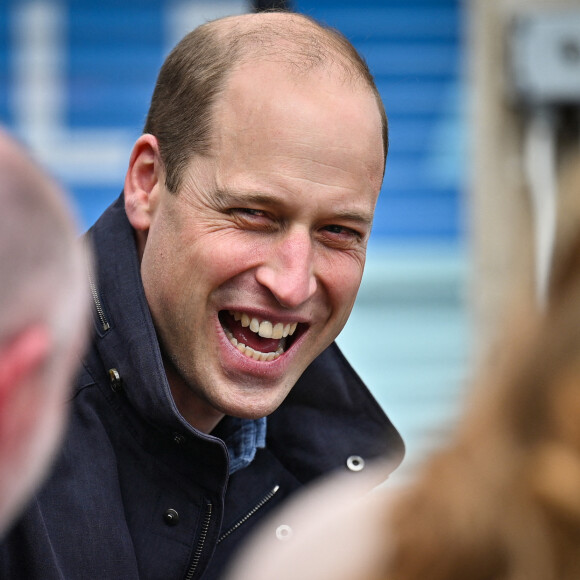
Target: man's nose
[288, 270]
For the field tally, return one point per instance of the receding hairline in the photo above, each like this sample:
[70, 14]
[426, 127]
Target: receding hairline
[302, 45]
[290, 39]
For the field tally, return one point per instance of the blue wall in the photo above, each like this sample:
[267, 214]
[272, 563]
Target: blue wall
[110, 52]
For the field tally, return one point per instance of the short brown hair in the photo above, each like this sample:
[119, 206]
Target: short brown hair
[195, 72]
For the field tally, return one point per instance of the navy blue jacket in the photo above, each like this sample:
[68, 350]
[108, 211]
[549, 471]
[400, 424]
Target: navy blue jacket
[136, 492]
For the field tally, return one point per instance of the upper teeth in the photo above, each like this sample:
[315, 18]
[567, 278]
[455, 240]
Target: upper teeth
[265, 328]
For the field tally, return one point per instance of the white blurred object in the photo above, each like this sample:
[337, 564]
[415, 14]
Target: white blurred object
[544, 76]
[546, 56]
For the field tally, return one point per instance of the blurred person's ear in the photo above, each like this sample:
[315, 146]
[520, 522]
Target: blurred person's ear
[22, 359]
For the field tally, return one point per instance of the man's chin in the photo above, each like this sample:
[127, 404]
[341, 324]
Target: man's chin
[254, 404]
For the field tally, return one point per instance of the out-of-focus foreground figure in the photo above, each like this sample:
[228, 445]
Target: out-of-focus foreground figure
[43, 314]
[503, 501]
[500, 501]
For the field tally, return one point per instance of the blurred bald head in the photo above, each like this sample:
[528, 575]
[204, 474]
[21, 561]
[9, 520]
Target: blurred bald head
[43, 321]
[39, 254]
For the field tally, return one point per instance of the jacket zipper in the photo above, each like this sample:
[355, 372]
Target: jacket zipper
[98, 306]
[260, 504]
[200, 543]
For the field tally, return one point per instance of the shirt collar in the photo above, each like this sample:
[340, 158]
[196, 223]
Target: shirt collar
[242, 438]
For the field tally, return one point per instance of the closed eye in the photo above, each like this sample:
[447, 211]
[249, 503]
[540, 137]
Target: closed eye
[249, 211]
[342, 237]
[253, 219]
[343, 231]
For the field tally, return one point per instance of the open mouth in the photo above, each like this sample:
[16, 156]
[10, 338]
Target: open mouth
[257, 339]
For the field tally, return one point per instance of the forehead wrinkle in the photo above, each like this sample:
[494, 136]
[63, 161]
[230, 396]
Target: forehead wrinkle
[374, 175]
[354, 188]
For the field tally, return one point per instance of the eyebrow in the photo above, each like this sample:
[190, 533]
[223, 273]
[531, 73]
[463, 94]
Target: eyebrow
[227, 196]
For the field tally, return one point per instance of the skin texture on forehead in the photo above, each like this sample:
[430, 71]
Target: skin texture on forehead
[314, 97]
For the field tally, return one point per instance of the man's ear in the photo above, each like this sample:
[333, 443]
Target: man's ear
[142, 182]
[21, 358]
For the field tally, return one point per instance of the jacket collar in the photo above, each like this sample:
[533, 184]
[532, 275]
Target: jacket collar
[126, 338]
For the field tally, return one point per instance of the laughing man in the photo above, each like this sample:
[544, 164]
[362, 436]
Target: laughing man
[214, 389]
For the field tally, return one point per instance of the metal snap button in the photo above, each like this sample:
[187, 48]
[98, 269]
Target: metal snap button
[355, 463]
[115, 380]
[171, 517]
[284, 532]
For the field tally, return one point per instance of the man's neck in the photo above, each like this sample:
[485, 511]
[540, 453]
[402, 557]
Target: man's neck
[196, 411]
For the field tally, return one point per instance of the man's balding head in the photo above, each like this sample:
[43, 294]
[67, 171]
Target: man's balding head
[195, 74]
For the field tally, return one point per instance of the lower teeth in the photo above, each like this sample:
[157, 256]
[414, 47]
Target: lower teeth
[254, 354]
